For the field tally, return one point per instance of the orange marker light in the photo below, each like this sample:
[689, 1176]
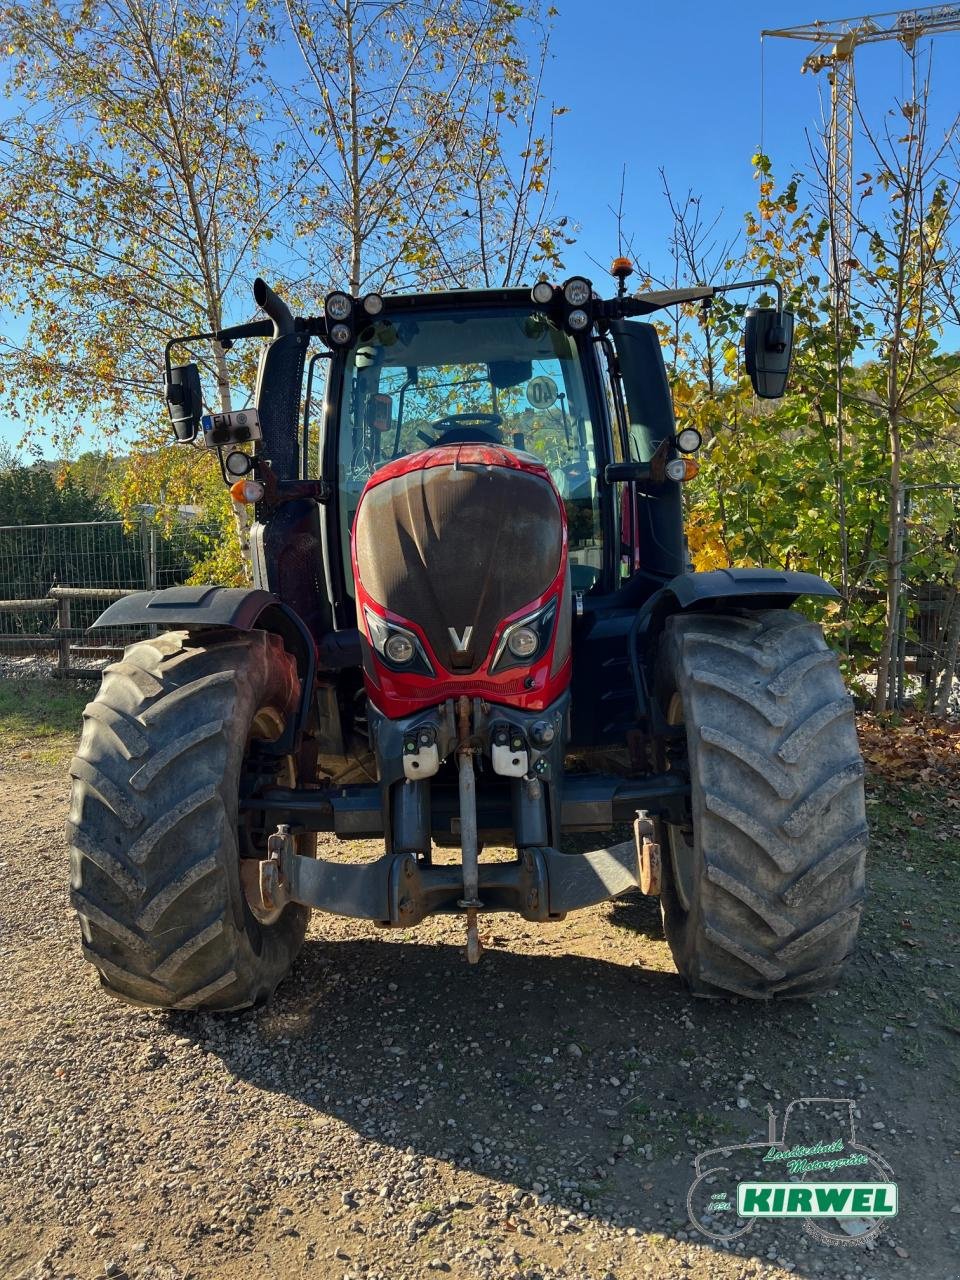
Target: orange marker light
[246, 491]
[681, 469]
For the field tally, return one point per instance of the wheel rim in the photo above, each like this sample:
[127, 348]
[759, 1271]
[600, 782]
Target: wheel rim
[680, 846]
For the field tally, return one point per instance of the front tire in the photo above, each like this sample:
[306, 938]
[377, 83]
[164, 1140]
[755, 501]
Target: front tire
[764, 884]
[155, 856]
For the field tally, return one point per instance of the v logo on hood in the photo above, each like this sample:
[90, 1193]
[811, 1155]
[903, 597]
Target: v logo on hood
[460, 643]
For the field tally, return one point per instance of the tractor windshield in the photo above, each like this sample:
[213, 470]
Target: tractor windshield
[505, 375]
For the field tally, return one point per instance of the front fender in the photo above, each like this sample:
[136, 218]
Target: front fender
[717, 588]
[757, 588]
[190, 607]
[230, 608]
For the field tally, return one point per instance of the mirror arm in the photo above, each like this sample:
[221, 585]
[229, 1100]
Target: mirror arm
[226, 338]
[643, 304]
[754, 284]
[625, 472]
[175, 342]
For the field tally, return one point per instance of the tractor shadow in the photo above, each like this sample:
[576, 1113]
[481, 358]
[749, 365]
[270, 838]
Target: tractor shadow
[638, 913]
[579, 1077]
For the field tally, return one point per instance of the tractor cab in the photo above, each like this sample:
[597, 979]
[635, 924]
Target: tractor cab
[477, 370]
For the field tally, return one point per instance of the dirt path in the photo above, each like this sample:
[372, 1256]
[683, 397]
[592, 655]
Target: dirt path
[396, 1114]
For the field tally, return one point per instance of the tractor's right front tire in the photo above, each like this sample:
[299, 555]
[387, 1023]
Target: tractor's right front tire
[764, 881]
[155, 856]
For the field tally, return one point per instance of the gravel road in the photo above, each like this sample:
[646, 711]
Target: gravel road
[395, 1113]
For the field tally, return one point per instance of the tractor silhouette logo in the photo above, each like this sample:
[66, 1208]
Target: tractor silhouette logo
[712, 1202]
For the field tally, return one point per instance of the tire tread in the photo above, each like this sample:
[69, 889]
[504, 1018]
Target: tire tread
[778, 812]
[152, 827]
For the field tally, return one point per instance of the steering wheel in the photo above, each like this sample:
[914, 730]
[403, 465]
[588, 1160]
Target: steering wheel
[465, 428]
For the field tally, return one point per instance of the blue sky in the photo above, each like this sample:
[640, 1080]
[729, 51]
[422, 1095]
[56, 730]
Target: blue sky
[678, 85]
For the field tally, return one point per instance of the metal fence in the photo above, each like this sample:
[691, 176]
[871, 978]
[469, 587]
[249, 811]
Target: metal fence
[926, 555]
[56, 579]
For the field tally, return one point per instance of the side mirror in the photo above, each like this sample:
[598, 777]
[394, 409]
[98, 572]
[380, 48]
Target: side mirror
[768, 346]
[185, 401]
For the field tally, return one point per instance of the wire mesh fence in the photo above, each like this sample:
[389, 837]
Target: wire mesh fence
[927, 614]
[56, 579]
[908, 576]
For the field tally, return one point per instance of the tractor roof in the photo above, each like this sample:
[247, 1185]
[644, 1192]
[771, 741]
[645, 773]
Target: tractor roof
[458, 298]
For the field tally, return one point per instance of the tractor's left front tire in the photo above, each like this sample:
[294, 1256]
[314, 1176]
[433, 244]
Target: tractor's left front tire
[764, 883]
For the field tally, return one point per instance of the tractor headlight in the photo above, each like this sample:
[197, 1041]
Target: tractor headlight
[523, 642]
[542, 292]
[578, 320]
[338, 306]
[577, 291]
[340, 334]
[372, 304]
[526, 639]
[399, 648]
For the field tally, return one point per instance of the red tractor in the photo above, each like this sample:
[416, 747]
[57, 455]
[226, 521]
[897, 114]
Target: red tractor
[476, 627]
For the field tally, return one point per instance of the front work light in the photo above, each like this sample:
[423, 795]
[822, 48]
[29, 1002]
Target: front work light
[577, 291]
[372, 304]
[542, 292]
[237, 464]
[578, 320]
[338, 306]
[688, 440]
[340, 334]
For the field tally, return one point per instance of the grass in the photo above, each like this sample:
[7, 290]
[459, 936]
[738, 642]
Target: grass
[900, 809]
[40, 719]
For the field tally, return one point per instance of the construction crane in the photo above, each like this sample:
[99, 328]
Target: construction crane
[835, 41]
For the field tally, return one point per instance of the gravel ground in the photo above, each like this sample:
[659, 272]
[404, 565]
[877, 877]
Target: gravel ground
[43, 665]
[394, 1113]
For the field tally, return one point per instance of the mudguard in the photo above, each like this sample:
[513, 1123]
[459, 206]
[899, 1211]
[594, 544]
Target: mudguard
[715, 588]
[233, 608]
[757, 588]
[190, 607]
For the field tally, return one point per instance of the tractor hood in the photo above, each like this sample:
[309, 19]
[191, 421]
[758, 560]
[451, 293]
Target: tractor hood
[455, 543]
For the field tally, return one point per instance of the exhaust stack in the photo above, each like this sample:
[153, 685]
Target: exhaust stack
[274, 306]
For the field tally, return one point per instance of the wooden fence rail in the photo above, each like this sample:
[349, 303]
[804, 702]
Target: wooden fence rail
[59, 601]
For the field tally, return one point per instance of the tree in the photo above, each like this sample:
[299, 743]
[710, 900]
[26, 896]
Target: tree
[136, 182]
[911, 256]
[418, 127]
[780, 485]
[35, 495]
[133, 190]
[147, 169]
